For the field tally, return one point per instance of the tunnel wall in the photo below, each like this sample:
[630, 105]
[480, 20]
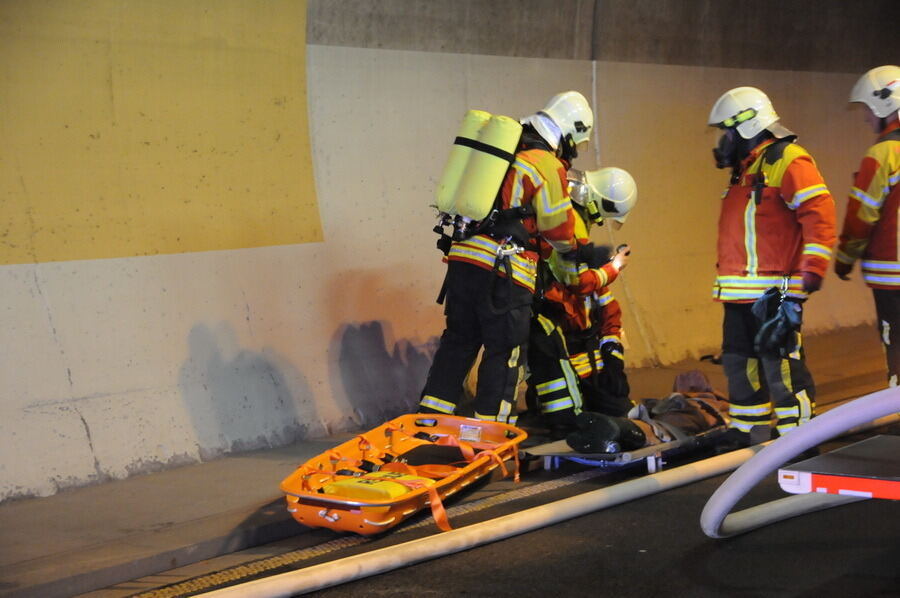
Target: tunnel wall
[215, 233]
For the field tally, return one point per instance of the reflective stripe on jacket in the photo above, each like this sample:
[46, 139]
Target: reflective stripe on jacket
[481, 250]
[870, 229]
[788, 230]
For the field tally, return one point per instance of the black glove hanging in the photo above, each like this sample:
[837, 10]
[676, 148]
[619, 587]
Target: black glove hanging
[781, 320]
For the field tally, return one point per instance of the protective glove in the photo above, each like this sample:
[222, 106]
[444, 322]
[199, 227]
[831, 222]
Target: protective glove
[588, 253]
[612, 350]
[780, 319]
[842, 270]
[812, 282]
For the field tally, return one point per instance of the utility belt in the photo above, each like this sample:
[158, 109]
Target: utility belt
[497, 242]
[504, 258]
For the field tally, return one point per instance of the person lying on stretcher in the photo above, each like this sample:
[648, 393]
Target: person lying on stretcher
[692, 408]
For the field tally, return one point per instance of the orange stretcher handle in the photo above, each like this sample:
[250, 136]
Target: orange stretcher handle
[438, 512]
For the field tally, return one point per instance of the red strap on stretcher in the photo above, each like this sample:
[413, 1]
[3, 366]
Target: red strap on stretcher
[335, 458]
[465, 448]
[438, 512]
[468, 451]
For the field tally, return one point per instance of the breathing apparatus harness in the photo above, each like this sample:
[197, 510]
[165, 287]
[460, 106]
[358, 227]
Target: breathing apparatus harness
[500, 224]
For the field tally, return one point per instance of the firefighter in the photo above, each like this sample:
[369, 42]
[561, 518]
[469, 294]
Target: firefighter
[776, 229]
[870, 230]
[576, 356]
[491, 275]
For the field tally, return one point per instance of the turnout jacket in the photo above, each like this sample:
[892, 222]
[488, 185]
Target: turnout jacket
[536, 178]
[777, 221]
[578, 313]
[870, 229]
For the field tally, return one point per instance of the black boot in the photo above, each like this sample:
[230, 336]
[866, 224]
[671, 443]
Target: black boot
[596, 434]
[561, 423]
[631, 437]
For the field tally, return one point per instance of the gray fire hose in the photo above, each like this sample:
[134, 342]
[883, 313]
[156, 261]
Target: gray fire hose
[858, 415]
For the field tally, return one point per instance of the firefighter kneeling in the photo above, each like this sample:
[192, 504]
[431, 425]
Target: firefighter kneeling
[575, 354]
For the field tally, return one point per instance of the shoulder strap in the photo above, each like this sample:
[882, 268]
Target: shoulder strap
[776, 162]
[775, 152]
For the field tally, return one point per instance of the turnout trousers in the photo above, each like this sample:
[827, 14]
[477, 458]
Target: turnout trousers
[571, 374]
[887, 308]
[482, 310]
[759, 385]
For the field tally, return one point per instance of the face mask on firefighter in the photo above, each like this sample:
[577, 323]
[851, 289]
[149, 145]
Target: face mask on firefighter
[726, 152]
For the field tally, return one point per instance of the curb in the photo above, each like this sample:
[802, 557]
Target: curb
[140, 555]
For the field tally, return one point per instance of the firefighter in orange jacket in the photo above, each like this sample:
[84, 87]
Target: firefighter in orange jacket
[870, 231]
[575, 354]
[491, 275]
[776, 229]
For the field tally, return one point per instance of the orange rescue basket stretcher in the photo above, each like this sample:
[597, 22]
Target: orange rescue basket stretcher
[376, 480]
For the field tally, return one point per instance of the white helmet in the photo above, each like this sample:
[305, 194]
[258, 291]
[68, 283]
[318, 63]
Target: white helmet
[607, 193]
[879, 89]
[749, 111]
[571, 119]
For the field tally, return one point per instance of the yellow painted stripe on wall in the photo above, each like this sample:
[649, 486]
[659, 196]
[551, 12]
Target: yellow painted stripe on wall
[153, 127]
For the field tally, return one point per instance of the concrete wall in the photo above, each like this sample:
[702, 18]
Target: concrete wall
[188, 271]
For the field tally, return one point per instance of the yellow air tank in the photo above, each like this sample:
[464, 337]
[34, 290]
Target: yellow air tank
[478, 164]
[472, 124]
[486, 168]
